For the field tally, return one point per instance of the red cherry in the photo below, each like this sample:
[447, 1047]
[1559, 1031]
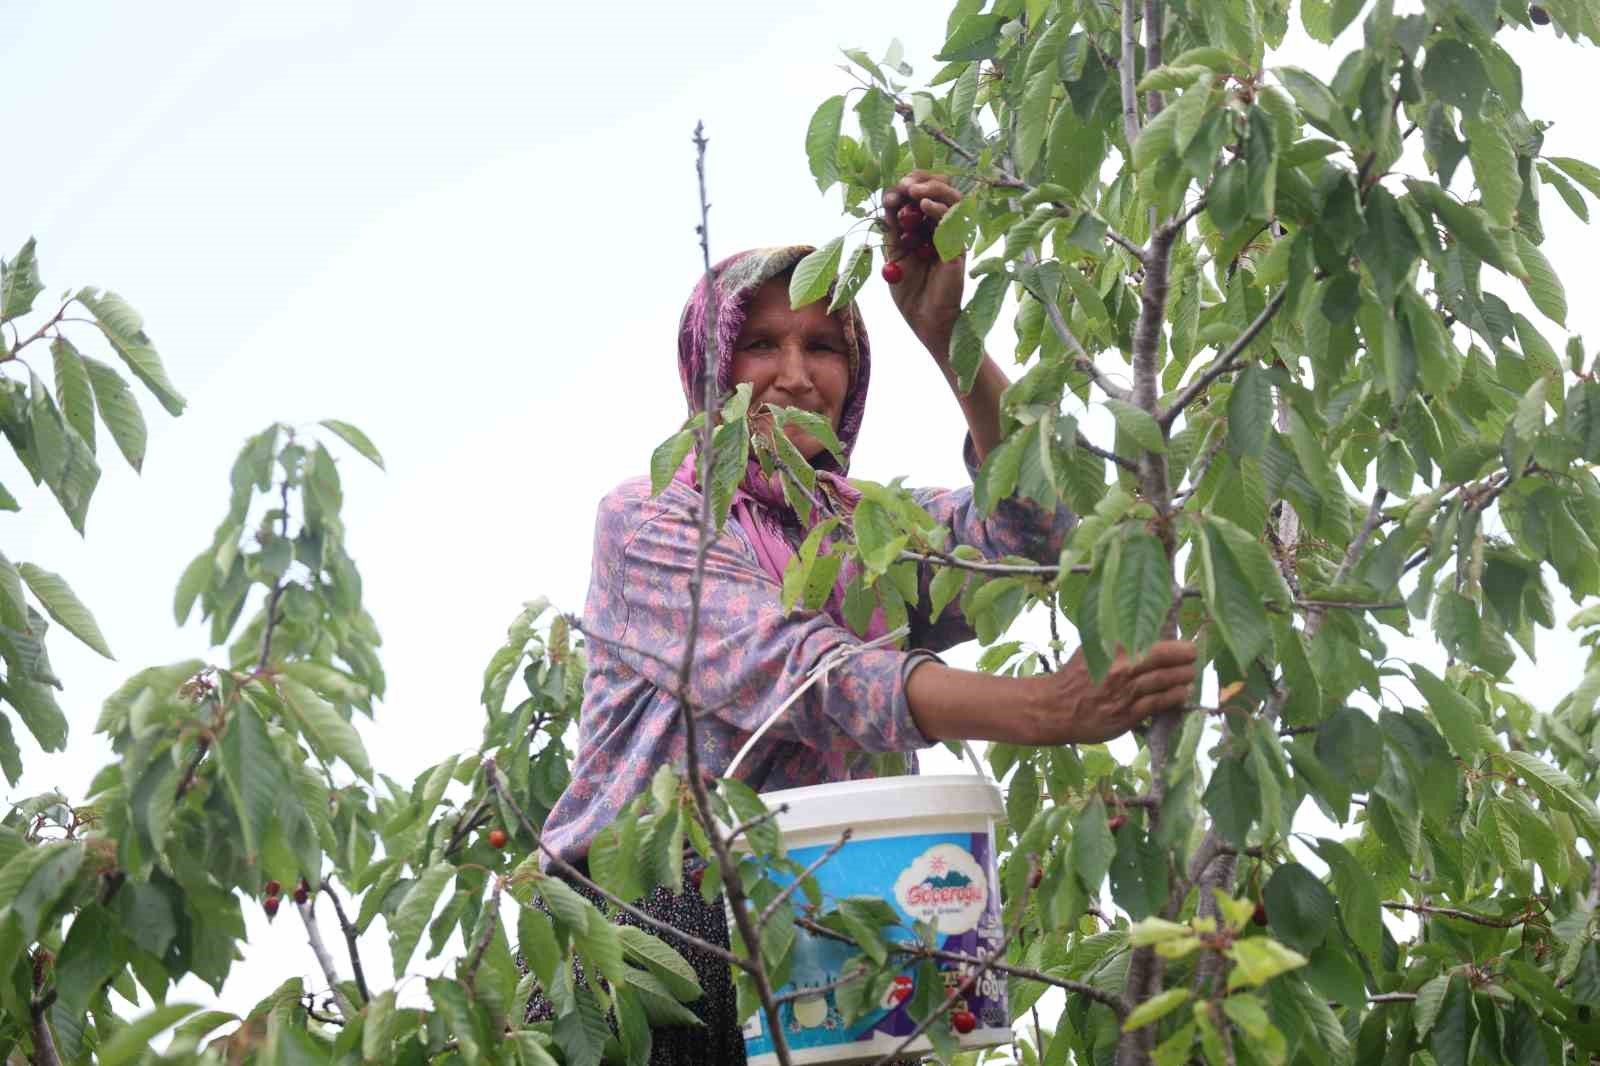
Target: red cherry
[1538, 15]
[270, 905]
[963, 1021]
[697, 877]
[1260, 916]
[1035, 877]
[302, 891]
[273, 889]
[497, 838]
[910, 217]
[1116, 821]
[926, 252]
[893, 274]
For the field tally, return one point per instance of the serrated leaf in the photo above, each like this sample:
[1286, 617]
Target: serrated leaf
[414, 912]
[72, 389]
[1138, 424]
[1299, 907]
[329, 734]
[1258, 960]
[814, 275]
[135, 1039]
[662, 960]
[356, 439]
[1155, 1008]
[1458, 719]
[1430, 997]
[124, 328]
[19, 282]
[856, 272]
[118, 410]
[1543, 285]
[1585, 174]
[822, 141]
[956, 229]
[1142, 593]
[667, 457]
[63, 605]
[1494, 165]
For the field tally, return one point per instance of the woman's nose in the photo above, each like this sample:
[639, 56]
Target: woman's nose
[794, 372]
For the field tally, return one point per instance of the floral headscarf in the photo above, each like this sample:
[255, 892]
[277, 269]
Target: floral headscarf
[738, 278]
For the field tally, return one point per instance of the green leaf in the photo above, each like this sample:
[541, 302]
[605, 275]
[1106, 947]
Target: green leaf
[118, 410]
[855, 275]
[134, 1040]
[1092, 845]
[1543, 285]
[974, 37]
[255, 778]
[1233, 800]
[1494, 164]
[1249, 412]
[945, 586]
[1234, 605]
[1258, 960]
[1358, 897]
[1316, 101]
[1138, 424]
[63, 605]
[19, 282]
[662, 960]
[1453, 72]
[328, 732]
[411, 917]
[72, 389]
[1451, 1039]
[822, 141]
[814, 275]
[125, 330]
[1155, 1008]
[1458, 719]
[13, 608]
[956, 229]
[1386, 246]
[1299, 906]
[1430, 997]
[1584, 174]
[1557, 789]
[1143, 591]
[730, 453]
[356, 439]
[667, 457]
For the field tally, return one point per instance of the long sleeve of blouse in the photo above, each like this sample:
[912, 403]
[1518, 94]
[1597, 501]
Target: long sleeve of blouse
[750, 656]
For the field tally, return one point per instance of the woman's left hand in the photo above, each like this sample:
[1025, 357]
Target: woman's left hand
[929, 293]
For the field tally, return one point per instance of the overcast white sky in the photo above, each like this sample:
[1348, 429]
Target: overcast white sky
[467, 228]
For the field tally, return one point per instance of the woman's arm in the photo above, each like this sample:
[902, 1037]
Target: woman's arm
[1067, 707]
[929, 297]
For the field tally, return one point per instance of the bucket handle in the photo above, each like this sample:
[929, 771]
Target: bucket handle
[820, 673]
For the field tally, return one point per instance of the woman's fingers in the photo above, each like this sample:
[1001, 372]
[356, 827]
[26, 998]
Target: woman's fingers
[1150, 681]
[1169, 700]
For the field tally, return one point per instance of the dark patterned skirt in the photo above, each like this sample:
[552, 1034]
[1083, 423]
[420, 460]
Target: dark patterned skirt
[720, 1042]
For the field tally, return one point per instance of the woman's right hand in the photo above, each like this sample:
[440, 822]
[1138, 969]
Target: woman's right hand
[1076, 709]
[1066, 707]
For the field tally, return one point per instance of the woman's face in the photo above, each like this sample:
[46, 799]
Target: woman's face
[793, 359]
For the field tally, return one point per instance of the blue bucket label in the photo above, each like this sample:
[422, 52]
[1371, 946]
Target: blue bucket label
[944, 879]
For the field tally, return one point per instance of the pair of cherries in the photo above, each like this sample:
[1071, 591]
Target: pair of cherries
[916, 238]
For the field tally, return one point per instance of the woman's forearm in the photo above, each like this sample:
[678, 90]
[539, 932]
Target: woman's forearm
[980, 406]
[951, 704]
[1066, 707]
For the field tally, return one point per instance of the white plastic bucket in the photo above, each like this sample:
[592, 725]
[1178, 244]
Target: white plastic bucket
[925, 846]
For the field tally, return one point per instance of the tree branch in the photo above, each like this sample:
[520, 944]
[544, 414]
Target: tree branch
[984, 566]
[1081, 358]
[917, 951]
[1153, 18]
[1452, 912]
[39, 1004]
[1129, 75]
[1121, 460]
[1224, 363]
[350, 934]
[568, 872]
[308, 916]
[788, 890]
[1359, 545]
[491, 923]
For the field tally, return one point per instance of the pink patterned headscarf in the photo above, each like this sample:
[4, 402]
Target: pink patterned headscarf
[759, 505]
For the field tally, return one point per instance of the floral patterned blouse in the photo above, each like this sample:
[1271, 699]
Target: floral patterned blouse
[749, 658]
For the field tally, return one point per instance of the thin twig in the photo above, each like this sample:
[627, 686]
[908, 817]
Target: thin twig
[788, 890]
[966, 986]
[984, 566]
[1224, 363]
[1359, 545]
[350, 934]
[465, 824]
[918, 951]
[733, 886]
[308, 916]
[277, 586]
[491, 923]
[39, 1004]
[1121, 460]
[807, 991]
[1453, 912]
[759, 820]
[568, 872]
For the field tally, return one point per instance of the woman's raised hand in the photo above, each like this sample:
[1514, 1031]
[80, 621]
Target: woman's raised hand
[929, 292]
